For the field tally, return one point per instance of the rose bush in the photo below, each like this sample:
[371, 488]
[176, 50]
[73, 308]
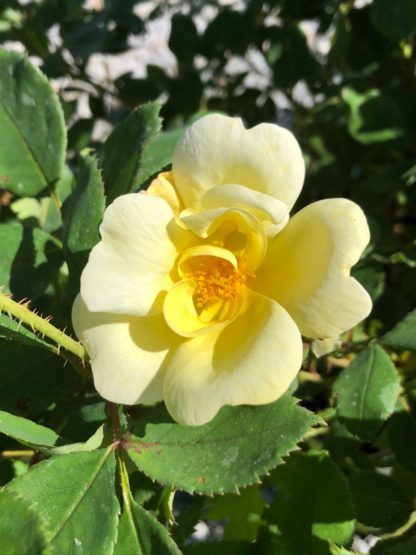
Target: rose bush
[200, 289]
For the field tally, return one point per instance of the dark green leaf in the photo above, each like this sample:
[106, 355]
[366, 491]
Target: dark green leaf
[183, 37]
[158, 153]
[402, 439]
[219, 548]
[403, 335]
[140, 533]
[232, 451]
[27, 252]
[395, 547]
[312, 506]
[396, 19]
[31, 378]
[367, 392]
[32, 142]
[122, 152]
[21, 530]
[75, 496]
[83, 212]
[379, 501]
[241, 513]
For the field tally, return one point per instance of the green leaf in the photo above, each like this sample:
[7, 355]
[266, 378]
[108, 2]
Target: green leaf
[11, 329]
[219, 548]
[231, 451]
[379, 501]
[395, 547]
[75, 496]
[402, 439]
[367, 392]
[403, 335]
[83, 212]
[158, 154]
[27, 252]
[27, 432]
[21, 530]
[312, 506]
[140, 533]
[122, 152]
[33, 140]
[374, 117]
[394, 20]
[31, 378]
[241, 513]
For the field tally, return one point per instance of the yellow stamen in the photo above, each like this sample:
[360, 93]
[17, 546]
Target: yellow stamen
[216, 279]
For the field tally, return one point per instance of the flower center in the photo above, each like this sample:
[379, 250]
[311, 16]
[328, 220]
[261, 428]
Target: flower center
[216, 279]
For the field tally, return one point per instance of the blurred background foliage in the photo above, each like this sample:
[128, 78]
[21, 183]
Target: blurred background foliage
[341, 76]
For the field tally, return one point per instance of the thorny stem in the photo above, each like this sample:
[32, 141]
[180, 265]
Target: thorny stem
[23, 315]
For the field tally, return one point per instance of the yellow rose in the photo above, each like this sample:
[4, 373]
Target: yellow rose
[200, 289]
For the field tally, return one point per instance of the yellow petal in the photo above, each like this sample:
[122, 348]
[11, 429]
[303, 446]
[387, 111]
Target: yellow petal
[307, 268]
[273, 213]
[251, 361]
[128, 270]
[216, 150]
[163, 186]
[127, 354]
[233, 229]
[182, 315]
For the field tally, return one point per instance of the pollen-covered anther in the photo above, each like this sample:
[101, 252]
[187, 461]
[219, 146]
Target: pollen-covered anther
[216, 280]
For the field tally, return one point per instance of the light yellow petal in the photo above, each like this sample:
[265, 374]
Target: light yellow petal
[307, 268]
[273, 213]
[217, 150]
[251, 361]
[127, 354]
[128, 270]
[183, 318]
[233, 229]
[163, 186]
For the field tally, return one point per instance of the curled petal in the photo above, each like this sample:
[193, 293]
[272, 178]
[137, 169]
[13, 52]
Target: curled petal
[307, 268]
[128, 354]
[273, 213]
[251, 361]
[163, 186]
[217, 150]
[233, 229]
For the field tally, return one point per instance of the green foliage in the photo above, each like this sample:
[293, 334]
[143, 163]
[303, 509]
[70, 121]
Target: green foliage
[312, 507]
[83, 212]
[229, 452]
[122, 151]
[21, 530]
[65, 490]
[31, 118]
[367, 392]
[342, 78]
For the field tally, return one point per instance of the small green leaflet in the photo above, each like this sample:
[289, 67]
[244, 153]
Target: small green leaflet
[140, 533]
[233, 450]
[403, 335]
[367, 392]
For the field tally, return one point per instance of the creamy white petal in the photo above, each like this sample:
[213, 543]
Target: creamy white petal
[307, 268]
[251, 361]
[128, 354]
[217, 150]
[128, 270]
[273, 213]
